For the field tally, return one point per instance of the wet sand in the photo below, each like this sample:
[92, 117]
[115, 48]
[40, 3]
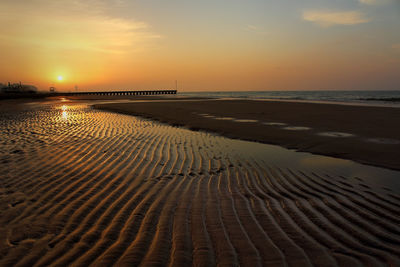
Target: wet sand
[369, 135]
[85, 187]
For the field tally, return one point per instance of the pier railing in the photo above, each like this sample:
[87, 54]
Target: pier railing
[102, 93]
[148, 92]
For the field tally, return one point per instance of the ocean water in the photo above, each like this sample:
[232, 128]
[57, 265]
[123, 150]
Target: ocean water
[378, 98]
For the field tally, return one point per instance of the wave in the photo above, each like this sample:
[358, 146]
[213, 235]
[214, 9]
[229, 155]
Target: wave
[392, 97]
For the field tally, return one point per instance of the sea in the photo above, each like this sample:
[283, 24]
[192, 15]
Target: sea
[370, 98]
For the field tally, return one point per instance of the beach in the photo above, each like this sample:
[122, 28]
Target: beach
[83, 186]
[199, 133]
[369, 135]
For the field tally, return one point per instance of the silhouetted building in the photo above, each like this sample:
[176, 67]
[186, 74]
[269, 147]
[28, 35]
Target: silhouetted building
[18, 88]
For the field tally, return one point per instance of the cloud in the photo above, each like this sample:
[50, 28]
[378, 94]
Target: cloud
[369, 2]
[255, 29]
[331, 18]
[72, 25]
[374, 2]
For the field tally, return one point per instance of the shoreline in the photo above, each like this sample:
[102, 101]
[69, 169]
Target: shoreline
[390, 98]
[365, 134]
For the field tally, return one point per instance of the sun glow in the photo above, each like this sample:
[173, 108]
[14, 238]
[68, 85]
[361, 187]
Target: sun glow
[60, 78]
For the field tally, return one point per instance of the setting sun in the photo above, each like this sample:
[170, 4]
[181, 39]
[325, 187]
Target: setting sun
[60, 78]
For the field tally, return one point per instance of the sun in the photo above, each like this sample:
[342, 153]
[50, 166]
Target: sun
[60, 78]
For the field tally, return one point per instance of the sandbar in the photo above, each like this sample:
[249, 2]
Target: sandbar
[303, 125]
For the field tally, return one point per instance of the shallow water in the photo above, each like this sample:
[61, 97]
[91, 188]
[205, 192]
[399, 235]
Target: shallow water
[85, 186]
[336, 134]
[385, 141]
[296, 128]
[275, 123]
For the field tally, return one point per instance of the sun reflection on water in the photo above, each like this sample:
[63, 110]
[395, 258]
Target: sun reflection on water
[70, 113]
[64, 113]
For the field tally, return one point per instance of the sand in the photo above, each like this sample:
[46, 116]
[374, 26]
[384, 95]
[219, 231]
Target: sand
[368, 135]
[85, 187]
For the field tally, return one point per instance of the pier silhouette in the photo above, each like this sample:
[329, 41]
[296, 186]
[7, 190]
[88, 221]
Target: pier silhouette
[99, 93]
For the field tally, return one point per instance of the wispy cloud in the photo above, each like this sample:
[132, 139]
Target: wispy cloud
[74, 25]
[255, 29]
[330, 18]
[374, 2]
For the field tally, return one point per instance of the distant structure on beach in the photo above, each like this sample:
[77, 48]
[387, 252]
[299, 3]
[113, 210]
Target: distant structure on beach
[18, 88]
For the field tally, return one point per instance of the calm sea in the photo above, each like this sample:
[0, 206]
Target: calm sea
[385, 98]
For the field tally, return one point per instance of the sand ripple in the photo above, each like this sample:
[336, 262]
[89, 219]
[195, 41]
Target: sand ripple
[86, 187]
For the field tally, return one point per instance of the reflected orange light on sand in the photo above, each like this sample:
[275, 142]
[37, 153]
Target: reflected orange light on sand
[64, 113]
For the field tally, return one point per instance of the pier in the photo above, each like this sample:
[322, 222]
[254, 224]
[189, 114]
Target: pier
[149, 92]
[12, 95]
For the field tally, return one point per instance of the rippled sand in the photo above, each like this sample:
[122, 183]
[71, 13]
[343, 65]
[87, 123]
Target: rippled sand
[86, 187]
[371, 133]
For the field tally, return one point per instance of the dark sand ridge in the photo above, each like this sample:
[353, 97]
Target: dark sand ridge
[382, 124]
[82, 187]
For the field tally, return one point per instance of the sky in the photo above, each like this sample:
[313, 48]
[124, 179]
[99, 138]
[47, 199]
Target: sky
[207, 45]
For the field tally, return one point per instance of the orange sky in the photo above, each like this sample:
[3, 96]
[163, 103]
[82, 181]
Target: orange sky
[207, 45]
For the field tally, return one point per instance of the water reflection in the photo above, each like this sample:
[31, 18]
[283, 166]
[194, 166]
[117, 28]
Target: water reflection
[282, 157]
[71, 113]
[64, 113]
